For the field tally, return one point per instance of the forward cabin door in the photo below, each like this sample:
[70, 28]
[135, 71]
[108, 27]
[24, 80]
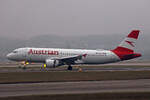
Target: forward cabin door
[24, 54]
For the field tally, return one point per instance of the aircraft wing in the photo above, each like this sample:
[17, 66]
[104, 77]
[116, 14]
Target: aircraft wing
[70, 59]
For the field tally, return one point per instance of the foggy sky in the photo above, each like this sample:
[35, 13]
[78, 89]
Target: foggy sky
[25, 18]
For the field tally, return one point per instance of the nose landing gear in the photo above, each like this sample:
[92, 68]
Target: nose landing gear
[23, 65]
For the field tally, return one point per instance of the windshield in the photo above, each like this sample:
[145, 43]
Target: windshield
[15, 51]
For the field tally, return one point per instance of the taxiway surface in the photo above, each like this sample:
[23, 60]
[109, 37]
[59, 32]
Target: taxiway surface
[5, 70]
[74, 87]
[114, 67]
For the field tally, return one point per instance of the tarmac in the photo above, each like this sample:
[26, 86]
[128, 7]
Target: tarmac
[83, 69]
[23, 89]
[125, 67]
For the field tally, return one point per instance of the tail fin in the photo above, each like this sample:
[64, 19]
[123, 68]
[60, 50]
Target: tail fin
[125, 50]
[128, 44]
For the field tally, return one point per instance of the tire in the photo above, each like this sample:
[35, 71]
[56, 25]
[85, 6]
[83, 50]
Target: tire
[69, 67]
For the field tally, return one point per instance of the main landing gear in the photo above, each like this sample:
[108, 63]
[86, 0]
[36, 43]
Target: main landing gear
[23, 65]
[69, 67]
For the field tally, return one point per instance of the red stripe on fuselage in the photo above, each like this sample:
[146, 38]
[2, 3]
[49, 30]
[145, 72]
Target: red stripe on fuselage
[121, 51]
[125, 54]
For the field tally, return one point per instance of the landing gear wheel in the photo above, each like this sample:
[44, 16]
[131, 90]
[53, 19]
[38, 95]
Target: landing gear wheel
[80, 69]
[24, 68]
[19, 66]
[69, 67]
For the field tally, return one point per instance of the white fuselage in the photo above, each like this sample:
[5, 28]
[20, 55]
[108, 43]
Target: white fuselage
[53, 57]
[41, 54]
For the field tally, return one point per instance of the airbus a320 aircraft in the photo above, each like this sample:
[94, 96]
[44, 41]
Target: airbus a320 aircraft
[54, 57]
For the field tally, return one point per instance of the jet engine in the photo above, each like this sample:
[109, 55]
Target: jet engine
[52, 63]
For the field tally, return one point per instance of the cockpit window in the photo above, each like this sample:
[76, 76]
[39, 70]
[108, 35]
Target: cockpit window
[15, 51]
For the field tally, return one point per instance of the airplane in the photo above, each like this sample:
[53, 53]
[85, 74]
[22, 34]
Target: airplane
[54, 57]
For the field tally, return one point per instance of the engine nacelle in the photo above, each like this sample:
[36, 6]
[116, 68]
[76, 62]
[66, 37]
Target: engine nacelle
[52, 63]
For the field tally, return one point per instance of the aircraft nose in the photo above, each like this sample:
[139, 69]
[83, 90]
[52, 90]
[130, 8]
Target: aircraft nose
[9, 56]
